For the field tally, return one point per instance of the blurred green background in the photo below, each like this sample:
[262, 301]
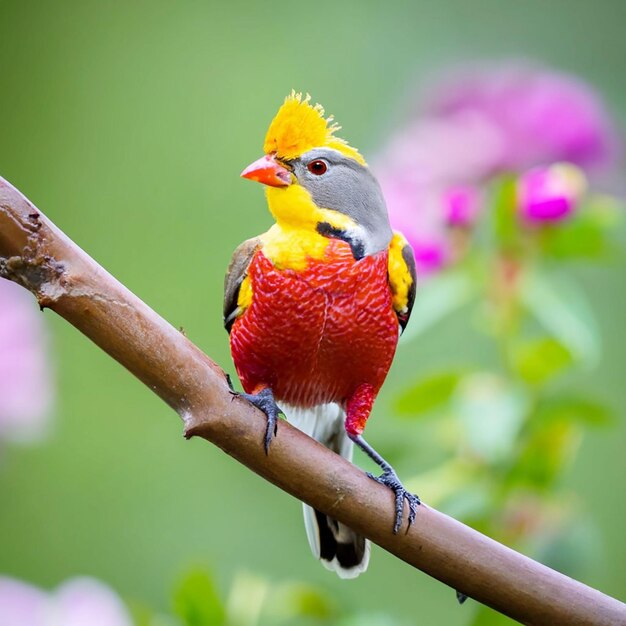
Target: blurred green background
[128, 124]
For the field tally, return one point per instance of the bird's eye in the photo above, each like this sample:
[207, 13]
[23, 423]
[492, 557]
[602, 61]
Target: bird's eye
[317, 167]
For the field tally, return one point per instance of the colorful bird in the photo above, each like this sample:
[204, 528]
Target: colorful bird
[315, 305]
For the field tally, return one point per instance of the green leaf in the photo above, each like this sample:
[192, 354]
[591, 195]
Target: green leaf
[430, 393]
[540, 360]
[574, 408]
[298, 600]
[491, 411]
[196, 601]
[576, 239]
[561, 307]
[546, 453]
[437, 298]
[587, 234]
[142, 615]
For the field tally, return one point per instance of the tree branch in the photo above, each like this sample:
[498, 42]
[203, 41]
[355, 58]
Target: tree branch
[37, 255]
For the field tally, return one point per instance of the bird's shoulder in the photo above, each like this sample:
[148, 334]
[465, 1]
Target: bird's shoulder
[235, 287]
[402, 277]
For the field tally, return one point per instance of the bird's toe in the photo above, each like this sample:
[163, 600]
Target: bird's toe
[390, 479]
[264, 400]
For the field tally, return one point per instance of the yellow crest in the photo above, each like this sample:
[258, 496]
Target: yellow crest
[299, 127]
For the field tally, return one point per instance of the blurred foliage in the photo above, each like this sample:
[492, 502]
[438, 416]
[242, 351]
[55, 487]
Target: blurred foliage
[517, 428]
[196, 601]
[253, 600]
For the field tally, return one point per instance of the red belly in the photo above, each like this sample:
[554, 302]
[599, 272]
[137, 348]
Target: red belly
[315, 336]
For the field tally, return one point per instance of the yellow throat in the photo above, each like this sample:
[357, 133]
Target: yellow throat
[294, 239]
[297, 128]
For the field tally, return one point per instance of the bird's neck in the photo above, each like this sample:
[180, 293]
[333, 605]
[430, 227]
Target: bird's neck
[294, 239]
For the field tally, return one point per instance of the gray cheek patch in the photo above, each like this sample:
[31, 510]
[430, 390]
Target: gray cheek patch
[351, 189]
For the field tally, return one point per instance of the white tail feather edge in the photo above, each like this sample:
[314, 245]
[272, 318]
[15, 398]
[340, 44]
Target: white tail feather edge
[325, 423]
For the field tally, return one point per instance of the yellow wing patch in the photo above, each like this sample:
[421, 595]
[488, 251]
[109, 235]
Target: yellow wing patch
[299, 127]
[400, 277]
[244, 298]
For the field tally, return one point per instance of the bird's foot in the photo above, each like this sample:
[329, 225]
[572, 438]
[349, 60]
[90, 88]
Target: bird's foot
[390, 479]
[229, 381]
[264, 400]
[461, 597]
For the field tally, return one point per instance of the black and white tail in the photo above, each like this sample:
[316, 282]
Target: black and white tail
[338, 547]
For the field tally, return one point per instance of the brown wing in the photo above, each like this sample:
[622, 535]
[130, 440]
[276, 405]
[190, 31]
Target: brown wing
[235, 275]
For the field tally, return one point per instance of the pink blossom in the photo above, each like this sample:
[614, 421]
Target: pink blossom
[25, 381]
[462, 205]
[21, 604]
[420, 171]
[479, 124]
[77, 602]
[541, 115]
[550, 194]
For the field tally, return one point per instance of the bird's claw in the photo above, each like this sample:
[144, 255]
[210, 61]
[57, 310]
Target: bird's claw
[390, 479]
[229, 381]
[264, 400]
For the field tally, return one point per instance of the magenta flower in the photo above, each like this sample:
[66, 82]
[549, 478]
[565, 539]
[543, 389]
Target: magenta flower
[482, 123]
[77, 602]
[461, 205]
[425, 171]
[462, 149]
[550, 194]
[542, 116]
[25, 380]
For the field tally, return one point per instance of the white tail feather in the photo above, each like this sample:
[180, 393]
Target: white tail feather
[325, 423]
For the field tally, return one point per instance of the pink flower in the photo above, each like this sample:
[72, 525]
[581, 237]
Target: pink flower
[461, 205]
[550, 194]
[541, 115]
[25, 381]
[21, 604]
[77, 602]
[479, 124]
[422, 226]
[428, 174]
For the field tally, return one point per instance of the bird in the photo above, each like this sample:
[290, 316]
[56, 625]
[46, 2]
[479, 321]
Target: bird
[314, 306]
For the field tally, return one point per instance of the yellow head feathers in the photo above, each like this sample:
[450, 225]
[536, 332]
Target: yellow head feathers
[299, 127]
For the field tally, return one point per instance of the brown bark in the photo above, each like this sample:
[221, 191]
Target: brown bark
[37, 255]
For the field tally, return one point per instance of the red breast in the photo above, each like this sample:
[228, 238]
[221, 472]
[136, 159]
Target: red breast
[314, 336]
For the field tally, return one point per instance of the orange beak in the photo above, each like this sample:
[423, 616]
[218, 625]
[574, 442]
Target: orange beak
[269, 171]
